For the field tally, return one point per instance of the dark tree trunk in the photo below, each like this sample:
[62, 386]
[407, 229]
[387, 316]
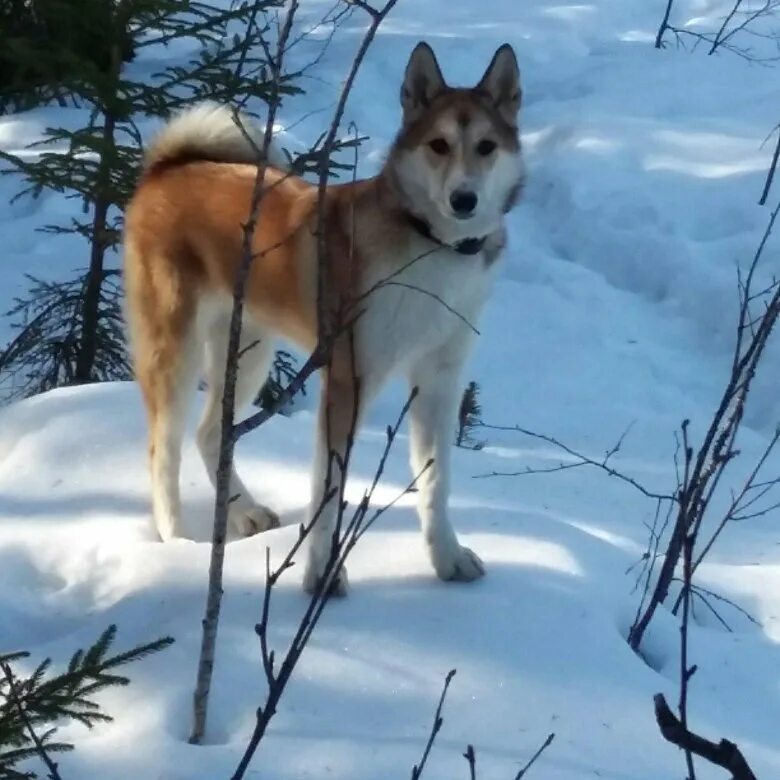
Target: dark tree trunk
[85, 361]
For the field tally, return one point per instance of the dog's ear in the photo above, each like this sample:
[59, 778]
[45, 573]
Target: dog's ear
[422, 82]
[501, 83]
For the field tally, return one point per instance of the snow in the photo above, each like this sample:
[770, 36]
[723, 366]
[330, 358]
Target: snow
[615, 308]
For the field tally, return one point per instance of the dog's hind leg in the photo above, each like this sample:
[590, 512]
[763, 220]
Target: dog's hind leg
[255, 355]
[164, 346]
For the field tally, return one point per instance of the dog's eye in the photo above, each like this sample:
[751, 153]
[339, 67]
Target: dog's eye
[439, 146]
[486, 147]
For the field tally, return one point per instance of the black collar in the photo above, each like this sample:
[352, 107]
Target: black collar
[466, 246]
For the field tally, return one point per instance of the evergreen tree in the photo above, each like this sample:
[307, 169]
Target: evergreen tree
[77, 335]
[32, 706]
[283, 371]
[46, 352]
[469, 417]
[38, 39]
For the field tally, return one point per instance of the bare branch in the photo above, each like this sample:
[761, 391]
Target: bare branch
[547, 742]
[724, 753]
[417, 770]
[705, 468]
[345, 538]
[704, 595]
[365, 7]
[313, 363]
[471, 757]
[436, 298]
[737, 507]
[659, 37]
[581, 460]
[726, 20]
[377, 17]
[768, 8]
[686, 672]
[771, 172]
[723, 37]
[227, 438]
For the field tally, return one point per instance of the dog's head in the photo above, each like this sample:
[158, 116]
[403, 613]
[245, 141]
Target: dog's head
[457, 157]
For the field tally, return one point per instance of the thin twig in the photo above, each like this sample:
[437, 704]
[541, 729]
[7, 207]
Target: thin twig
[686, 672]
[417, 770]
[768, 8]
[736, 508]
[705, 467]
[771, 172]
[436, 298]
[377, 17]
[726, 19]
[659, 36]
[704, 594]
[547, 742]
[582, 460]
[471, 757]
[342, 546]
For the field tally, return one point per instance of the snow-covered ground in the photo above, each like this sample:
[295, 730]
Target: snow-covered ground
[615, 307]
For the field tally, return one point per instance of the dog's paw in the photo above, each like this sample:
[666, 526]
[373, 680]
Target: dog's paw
[247, 521]
[166, 529]
[459, 564]
[312, 580]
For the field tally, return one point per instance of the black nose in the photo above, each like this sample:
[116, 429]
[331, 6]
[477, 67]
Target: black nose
[463, 202]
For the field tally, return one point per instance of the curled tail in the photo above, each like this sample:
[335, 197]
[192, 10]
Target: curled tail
[208, 131]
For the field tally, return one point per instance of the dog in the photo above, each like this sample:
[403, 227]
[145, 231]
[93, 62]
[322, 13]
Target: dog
[418, 245]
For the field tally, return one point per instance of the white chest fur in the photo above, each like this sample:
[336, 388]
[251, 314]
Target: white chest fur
[435, 299]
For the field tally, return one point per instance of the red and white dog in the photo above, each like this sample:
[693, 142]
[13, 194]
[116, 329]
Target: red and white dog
[452, 174]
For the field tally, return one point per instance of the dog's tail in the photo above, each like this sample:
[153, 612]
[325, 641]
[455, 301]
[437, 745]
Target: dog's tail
[209, 131]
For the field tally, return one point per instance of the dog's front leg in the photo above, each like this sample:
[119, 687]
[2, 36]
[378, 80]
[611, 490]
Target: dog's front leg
[433, 415]
[338, 417]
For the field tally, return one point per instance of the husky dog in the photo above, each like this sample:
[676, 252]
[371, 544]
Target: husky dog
[417, 245]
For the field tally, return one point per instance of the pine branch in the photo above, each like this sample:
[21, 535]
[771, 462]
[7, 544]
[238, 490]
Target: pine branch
[29, 705]
[15, 699]
[469, 418]
[49, 322]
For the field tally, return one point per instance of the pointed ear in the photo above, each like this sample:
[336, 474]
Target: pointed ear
[502, 83]
[422, 82]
